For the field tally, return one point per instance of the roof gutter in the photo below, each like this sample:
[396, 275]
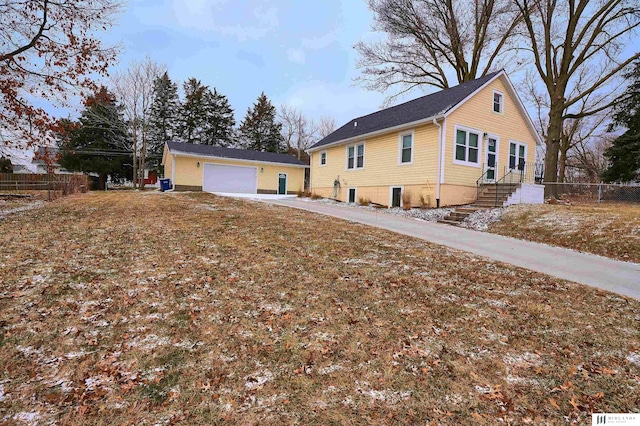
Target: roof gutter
[378, 132]
[440, 150]
[175, 152]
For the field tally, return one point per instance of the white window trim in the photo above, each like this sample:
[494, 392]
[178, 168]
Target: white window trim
[480, 146]
[518, 145]
[325, 158]
[501, 102]
[413, 144]
[355, 197]
[391, 188]
[355, 156]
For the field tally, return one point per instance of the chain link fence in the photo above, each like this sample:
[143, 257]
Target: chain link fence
[593, 192]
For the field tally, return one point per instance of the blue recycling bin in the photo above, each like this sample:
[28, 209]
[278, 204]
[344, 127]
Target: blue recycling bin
[165, 184]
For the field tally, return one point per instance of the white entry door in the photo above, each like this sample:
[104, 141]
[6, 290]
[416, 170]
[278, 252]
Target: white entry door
[235, 179]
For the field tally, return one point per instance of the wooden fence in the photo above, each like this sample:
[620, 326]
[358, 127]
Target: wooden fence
[53, 184]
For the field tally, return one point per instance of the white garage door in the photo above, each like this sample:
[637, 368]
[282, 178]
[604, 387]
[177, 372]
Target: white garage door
[219, 178]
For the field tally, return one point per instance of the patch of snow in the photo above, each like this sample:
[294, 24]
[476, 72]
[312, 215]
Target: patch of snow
[224, 358]
[524, 360]
[256, 381]
[3, 396]
[30, 206]
[30, 418]
[324, 336]
[92, 383]
[348, 401]
[65, 385]
[276, 309]
[634, 358]
[514, 380]
[483, 389]
[383, 395]
[150, 342]
[481, 219]
[330, 369]
[73, 355]
[497, 303]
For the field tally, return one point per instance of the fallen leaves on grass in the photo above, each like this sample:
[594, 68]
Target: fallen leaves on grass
[143, 308]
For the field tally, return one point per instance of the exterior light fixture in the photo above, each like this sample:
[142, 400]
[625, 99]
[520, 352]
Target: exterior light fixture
[198, 164]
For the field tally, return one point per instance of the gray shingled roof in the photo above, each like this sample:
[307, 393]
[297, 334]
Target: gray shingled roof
[418, 109]
[234, 153]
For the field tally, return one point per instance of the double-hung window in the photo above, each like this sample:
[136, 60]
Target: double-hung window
[517, 155]
[323, 158]
[406, 148]
[467, 147]
[355, 156]
[498, 102]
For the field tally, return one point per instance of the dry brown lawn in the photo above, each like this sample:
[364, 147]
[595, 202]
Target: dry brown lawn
[611, 230]
[10, 203]
[129, 308]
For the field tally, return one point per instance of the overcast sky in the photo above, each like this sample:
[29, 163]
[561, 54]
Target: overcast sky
[297, 52]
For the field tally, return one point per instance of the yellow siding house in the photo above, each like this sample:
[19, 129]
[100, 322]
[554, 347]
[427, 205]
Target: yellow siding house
[435, 149]
[194, 167]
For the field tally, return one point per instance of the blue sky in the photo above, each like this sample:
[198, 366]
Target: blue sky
[298, 52]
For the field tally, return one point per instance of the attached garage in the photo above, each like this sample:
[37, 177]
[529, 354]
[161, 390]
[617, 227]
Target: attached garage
[234, 179]
[193, 167]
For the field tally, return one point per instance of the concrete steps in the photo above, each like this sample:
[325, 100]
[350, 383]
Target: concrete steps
[486, 200]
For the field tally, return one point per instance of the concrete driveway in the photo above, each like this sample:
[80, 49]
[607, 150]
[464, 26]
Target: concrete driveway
[258, 197]
[596, 271]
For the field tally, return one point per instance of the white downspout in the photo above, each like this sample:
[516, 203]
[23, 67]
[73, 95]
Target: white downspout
[310, 164]
[173, 171]
[440, 149]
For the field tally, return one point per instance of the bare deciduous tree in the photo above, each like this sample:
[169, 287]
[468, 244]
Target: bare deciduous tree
[134, 87]
[48, 50]
[298, 131]
[426, 40]
[578, 48]
[326, 126]
[588, 157]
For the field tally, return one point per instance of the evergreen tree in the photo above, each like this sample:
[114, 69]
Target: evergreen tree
[624, 154]
[164, 115]
[193, 112]
[259, 130]
[5, 165]
[219, 124]
[98, 142]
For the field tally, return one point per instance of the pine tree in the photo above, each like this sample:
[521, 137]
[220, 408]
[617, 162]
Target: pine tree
[259, 130]
[5, 165]
[193, 112]
[219, 124]
[163, 119]
[624, 154]
[98, 141]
